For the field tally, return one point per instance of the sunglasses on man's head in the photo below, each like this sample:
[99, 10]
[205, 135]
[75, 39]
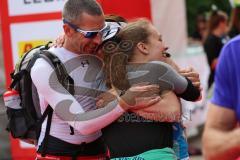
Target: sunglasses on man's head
[87, 34]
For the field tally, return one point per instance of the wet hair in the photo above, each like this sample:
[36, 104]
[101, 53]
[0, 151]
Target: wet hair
[73, 9]
[119, 51]
[114, 18]
[215, 19]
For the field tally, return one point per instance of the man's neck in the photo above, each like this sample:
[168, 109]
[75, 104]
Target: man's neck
[68, 46]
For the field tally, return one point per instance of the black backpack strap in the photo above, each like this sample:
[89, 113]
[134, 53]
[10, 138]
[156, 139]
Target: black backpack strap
[55, 62]
[61, 73]
[71, 130]
[41, 47]
[47, 113]
[17, 77]
[46, 46]
[32, 61]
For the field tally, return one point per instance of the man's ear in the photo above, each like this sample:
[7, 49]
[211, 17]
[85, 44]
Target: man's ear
[142, 47]
[68, 30]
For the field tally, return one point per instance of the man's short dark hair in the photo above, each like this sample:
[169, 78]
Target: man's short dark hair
[74, 8]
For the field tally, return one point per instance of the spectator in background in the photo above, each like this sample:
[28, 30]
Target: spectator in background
[235, 22]
[221, 138]
[216, 37]
[201, 28]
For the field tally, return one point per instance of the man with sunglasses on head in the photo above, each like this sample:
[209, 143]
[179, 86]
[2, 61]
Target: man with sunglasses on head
[73, 131]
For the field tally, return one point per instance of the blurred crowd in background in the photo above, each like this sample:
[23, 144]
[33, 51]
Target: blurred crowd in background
[211, 26]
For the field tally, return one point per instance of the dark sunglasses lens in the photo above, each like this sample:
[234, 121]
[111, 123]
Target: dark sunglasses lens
[91, 34]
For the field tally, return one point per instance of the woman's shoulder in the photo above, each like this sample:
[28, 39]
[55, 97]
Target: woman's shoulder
[155, 67]
[159, 64]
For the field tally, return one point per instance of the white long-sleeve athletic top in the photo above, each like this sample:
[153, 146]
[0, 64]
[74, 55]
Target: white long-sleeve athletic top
[68, 109]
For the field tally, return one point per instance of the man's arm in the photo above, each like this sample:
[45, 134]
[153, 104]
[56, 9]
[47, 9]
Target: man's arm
[221, 138]
[67, 108]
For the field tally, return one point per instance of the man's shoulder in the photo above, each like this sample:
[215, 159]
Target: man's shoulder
[234, 42]
[42, 64]
[56, 51]
[236, 38]
[230, 49]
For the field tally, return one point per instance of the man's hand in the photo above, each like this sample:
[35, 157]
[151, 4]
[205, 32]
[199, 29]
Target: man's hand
[139, 96]
[59, 41]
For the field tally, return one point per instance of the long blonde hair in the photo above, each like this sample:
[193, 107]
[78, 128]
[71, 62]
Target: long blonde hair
[119, 51]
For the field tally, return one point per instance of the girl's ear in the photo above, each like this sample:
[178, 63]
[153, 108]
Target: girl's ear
[143, 48]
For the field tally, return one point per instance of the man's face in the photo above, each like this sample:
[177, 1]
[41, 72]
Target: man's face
[82, 44]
